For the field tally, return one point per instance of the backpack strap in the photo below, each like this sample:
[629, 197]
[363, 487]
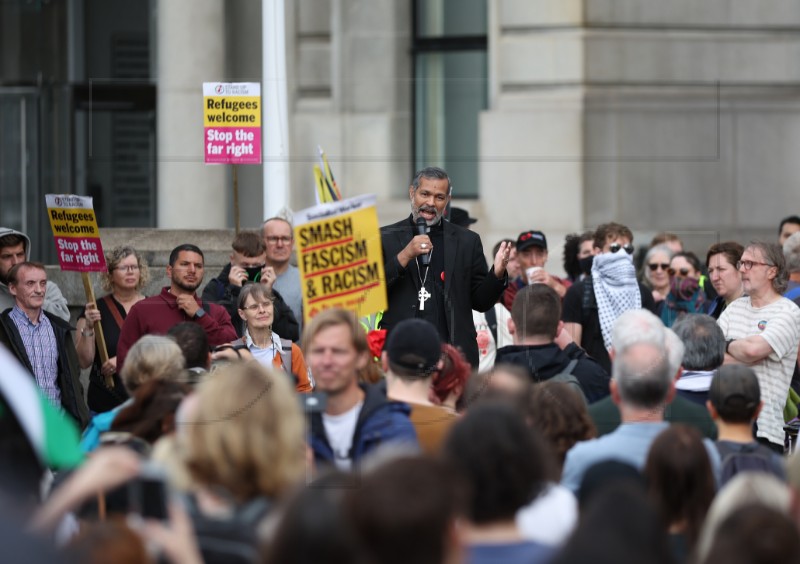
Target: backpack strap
[566, 377]
[286, 355]
[112, 307]
[570, 367]
[491, 321]
[588, 301]
[253, 511]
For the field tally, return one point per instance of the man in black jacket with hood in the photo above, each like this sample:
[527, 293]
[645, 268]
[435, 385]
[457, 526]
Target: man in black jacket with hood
[537, 329]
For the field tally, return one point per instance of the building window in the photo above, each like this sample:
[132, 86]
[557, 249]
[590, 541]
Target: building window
[450, 87]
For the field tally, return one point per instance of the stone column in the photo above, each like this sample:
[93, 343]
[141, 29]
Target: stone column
[531, 137]
[191, 50]
[352, 96]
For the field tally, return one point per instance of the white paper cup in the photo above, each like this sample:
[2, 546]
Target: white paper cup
[529, 272]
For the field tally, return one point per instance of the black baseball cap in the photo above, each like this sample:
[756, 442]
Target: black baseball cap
[735, 393]
[414, 344]
[528, 239]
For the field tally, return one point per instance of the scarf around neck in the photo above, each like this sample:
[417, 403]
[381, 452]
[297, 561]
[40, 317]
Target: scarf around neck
[615, 289]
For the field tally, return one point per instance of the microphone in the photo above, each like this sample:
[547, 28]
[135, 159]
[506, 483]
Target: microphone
[422, 229]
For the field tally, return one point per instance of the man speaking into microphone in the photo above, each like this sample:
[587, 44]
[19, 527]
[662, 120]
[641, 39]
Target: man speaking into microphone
[436, 270]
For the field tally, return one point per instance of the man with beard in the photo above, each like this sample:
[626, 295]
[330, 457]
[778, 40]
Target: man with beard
[439, 275]
[175, 304]
[762, 331]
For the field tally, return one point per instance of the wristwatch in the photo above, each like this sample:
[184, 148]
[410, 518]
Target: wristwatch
[199, 313]
[87, 332]
[728, 345]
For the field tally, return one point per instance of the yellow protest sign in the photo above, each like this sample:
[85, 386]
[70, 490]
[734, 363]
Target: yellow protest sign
[340, 257]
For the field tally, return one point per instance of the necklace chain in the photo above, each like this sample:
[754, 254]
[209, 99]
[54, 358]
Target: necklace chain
[419, 271]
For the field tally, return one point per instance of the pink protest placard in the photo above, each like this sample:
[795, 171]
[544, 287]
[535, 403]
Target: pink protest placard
[232, 122]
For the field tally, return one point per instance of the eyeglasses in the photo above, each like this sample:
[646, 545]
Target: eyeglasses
[616, 247]
[128, 268]
[274, 240]
[656, 265]
[748, 264]
[258, 306]
[682, 271]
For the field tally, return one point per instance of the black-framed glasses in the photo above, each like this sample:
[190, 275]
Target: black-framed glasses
[682, 271]
[748, 264]
[616, 247]
[653, 266]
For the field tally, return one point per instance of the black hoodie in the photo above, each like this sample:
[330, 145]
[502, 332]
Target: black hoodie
[545, 361]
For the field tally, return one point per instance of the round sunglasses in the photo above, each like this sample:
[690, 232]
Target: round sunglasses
[683, 272]
[653, 266]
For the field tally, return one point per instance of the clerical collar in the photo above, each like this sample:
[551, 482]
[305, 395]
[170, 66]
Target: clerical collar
[435, 227]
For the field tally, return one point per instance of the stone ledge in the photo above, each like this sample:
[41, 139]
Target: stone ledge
[155, 245]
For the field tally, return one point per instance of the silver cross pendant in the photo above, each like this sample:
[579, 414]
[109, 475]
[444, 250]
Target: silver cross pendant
[423, 295]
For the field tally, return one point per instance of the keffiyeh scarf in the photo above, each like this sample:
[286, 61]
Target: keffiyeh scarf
[615, 289]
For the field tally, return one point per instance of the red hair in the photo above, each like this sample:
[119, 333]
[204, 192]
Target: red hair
[453, 375]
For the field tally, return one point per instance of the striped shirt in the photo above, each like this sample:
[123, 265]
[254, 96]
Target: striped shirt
[779, 325]
[42, 350]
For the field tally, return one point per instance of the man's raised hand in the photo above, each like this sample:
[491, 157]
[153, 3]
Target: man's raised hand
[501, 259]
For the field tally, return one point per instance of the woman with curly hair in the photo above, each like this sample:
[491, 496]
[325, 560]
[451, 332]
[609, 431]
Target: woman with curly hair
[560, 415]
[126, 275]
[578, 255]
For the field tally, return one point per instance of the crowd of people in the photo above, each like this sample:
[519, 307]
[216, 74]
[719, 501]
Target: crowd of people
[638, 409]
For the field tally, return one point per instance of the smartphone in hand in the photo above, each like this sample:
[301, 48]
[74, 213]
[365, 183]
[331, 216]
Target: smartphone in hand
[148, 494]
